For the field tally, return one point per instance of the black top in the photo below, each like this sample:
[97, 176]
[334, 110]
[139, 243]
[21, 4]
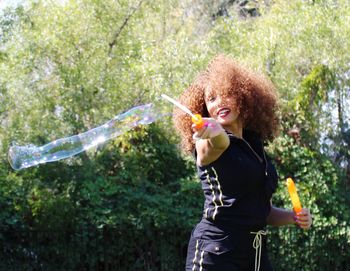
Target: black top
[238, 186]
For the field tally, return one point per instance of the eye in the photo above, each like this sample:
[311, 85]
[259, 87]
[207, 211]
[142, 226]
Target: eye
[211, 98]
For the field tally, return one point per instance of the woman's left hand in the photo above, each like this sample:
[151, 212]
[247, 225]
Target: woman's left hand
[303, 219]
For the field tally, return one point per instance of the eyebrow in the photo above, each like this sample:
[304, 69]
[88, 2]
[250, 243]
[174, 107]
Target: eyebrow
[210, 93]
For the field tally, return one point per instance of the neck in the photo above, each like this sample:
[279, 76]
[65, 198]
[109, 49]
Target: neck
[236, 128]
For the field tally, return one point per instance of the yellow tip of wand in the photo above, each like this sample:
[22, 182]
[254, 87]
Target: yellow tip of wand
[198, 121]
[293, 195]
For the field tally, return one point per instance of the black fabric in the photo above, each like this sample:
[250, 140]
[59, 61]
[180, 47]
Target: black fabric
[224, 250]
[238, 187]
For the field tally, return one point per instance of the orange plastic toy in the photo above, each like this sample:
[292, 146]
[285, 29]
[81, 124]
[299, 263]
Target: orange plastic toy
[293, 195]
[198, 121]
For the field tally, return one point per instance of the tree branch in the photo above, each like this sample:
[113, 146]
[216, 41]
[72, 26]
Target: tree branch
[113, 43]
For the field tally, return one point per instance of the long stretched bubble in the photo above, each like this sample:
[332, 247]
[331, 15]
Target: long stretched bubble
[30, 155]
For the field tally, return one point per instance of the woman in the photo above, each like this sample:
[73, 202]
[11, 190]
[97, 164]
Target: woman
[238, 179]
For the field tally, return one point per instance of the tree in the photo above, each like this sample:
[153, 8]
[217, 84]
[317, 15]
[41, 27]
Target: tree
[308, 62]
[69, 66]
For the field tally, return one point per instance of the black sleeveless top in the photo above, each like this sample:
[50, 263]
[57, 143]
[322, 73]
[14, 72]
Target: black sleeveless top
[238, 186]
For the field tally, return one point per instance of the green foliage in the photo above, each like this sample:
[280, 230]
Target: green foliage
[135, 183]
[315, 91]
[312, 172]
[68, 66]
[321, 190]
[285, 47]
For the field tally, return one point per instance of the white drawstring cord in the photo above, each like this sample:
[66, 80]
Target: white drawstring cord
[257, 244]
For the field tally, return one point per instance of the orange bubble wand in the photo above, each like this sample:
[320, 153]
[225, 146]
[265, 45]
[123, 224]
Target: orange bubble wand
[293, 195]
[196, 118]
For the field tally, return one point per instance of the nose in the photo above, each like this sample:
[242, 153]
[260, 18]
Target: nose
[221, 101]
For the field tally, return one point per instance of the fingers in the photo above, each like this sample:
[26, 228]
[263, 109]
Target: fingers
[303, 219]
[198, 133]
[210, 129]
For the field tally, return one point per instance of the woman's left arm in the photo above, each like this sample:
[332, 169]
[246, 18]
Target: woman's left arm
[281, 217]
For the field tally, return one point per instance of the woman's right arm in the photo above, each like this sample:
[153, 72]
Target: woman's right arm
[212, 142]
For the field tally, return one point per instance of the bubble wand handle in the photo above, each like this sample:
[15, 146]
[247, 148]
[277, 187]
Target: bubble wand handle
[293, 195]
[198, 121]
[196, 118]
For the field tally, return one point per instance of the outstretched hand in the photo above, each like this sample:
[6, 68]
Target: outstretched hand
[210, 129]
[303, 219]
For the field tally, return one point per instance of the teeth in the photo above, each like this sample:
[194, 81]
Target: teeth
[223, 111]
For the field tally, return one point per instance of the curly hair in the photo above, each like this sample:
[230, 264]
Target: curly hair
[254, 95]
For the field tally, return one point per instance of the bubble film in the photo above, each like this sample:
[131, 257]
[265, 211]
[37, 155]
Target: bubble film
[30, 155]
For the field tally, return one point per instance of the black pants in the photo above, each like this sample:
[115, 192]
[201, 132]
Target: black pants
[216, 250]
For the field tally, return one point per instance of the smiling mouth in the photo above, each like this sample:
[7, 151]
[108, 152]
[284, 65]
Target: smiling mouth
[223, 112]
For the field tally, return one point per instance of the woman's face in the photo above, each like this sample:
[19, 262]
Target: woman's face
[221, 108]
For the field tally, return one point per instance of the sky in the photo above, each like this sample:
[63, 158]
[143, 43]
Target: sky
[5, 3]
